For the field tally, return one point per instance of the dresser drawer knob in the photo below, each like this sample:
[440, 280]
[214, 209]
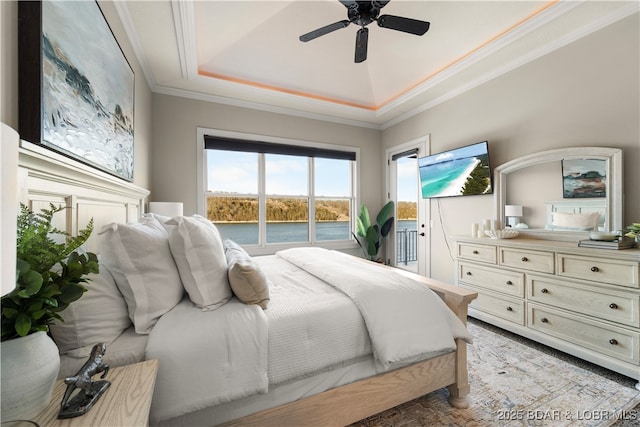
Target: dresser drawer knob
[613, 306]
[509, 309]
[525, 259]
[475, 252]
[545, 291]
[613, 341]
[544, 320]
[595, 269]
[509, 282]
[468, 273]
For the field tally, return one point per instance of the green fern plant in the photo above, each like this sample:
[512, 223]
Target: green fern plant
[372, 234]
[49, 275]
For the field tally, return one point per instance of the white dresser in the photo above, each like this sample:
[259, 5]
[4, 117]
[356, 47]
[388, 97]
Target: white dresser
[585, 302]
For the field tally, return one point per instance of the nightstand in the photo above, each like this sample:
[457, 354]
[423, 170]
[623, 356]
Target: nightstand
[126, 403]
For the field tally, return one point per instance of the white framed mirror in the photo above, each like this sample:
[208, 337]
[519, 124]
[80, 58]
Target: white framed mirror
[535, 182]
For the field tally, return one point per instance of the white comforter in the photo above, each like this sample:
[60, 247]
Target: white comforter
[405, 319]
[327, 310]
[207, 357]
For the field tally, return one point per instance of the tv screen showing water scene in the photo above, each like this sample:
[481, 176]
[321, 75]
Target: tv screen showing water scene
[464, 171]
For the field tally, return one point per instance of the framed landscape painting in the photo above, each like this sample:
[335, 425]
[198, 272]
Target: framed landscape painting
[76, 87]
[584, 178]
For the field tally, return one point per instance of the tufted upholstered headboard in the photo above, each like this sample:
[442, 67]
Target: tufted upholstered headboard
[46, 177]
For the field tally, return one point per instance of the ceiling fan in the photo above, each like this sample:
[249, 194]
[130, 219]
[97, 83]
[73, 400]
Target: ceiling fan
[363, 13]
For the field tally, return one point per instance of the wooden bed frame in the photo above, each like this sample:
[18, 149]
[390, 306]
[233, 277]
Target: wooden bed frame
[46, 177]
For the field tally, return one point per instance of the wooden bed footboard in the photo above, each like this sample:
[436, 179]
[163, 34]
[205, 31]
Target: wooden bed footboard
[352, 402]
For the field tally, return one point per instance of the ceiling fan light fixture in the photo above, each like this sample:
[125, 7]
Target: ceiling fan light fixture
[363, 13]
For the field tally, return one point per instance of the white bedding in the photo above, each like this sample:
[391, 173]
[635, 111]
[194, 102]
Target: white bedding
[209, 358]
[312, 326]
[406, 320]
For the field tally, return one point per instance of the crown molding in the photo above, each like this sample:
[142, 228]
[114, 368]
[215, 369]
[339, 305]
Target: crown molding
[185, 30]
[234, 102]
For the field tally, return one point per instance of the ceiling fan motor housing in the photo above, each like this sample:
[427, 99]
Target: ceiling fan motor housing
[364, 14]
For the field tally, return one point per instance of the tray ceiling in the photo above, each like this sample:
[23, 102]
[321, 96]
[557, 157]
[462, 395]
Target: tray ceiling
[247, 53]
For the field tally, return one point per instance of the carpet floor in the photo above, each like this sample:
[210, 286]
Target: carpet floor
[517, 382]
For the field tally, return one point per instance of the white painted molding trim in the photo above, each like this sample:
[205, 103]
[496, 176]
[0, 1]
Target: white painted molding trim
[45, 177]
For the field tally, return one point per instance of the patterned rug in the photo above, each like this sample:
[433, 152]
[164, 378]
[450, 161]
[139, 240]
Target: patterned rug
[516, 382]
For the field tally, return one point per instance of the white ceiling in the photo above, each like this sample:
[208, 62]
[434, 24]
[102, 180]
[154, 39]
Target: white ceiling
[247, 53]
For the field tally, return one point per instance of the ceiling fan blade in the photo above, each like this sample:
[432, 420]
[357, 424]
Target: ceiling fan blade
[407, 25]
[324, 30]
[349, 4]
[362, 39]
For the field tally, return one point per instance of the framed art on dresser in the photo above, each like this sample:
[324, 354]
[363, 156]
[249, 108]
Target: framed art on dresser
[76, 87]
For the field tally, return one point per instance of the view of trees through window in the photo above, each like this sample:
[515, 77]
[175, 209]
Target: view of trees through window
[234, 201]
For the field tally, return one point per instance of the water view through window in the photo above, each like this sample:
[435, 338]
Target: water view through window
[288, 198]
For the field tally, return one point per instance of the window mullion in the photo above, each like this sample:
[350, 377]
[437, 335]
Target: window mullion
[312, 201]
[262, 201]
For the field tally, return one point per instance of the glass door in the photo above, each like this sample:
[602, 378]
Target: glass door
[408, 246]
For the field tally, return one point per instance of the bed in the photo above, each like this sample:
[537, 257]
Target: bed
[353, 375]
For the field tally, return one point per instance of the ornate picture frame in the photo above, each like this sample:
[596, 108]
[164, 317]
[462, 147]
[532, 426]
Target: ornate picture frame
[76, 87]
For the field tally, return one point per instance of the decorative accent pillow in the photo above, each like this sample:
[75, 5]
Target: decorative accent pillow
[585, 221]
[250, 285]
[100, 315]
[161, 218]
[196, 246]
[141, 263]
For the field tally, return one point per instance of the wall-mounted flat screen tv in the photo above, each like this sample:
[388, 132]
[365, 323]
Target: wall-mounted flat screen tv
[464, 171]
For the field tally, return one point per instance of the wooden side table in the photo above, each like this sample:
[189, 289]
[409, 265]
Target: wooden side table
[126, 403]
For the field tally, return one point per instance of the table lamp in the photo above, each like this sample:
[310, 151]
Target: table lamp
[513, 214]
[170, 209]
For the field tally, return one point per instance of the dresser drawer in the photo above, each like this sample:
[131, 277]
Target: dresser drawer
[476, 252]
[499, 306]
[607, 339]
[616, 306]
[623, 273]
[539, 261]
[494, 279]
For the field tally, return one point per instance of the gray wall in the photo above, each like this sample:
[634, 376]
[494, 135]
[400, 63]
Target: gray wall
[174, 147]
[584, 94]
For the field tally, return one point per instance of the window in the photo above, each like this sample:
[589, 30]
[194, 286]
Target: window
[261, 193]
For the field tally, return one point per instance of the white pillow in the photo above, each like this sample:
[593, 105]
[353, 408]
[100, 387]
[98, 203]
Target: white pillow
[141, 263]
[100, 315]
[197, 247]
[576, 220]
[161, 218]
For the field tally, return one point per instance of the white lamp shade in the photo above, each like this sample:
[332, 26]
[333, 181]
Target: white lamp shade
[171, 209]
[9, 208]
[513, 210]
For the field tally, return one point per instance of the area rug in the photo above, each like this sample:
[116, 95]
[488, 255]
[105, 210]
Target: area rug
[515, 384]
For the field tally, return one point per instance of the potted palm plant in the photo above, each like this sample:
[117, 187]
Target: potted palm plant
[369, 236]
[49, 277]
